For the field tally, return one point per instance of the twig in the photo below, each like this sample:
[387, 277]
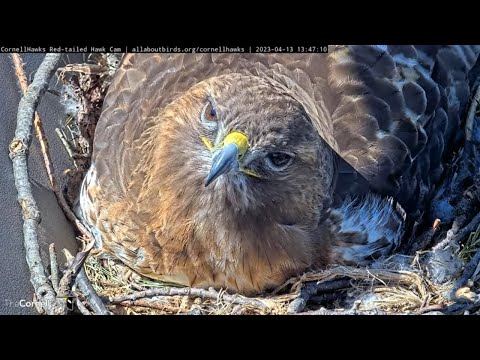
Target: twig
[65, 285]
[451, 190]
[461, 308]
[83, 309]
[154, 304]
[22, 79]
[68, 278]
[467, 229]
[471, 114]
[298, 304]
[193, 312]
[137, 287]
[323, 311]
[421, 242]
[66, 145]
[90, 294]
[53, 267]
[53, 180]
[311, 288]
[18, 153]
[468, 272]
[467, 204]
[148, 303]
[456, 235]
[53, 92]
[191, 292]
[333, 285]
[430, 308]
[323, 298]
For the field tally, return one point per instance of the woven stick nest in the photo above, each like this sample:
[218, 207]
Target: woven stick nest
[386, 290]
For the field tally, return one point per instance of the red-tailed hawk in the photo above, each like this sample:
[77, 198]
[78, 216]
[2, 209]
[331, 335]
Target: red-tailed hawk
[241, 170]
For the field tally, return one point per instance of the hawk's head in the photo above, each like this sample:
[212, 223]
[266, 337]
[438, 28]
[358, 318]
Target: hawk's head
[243, 141]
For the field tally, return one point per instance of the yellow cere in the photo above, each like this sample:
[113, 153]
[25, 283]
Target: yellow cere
[239, 139]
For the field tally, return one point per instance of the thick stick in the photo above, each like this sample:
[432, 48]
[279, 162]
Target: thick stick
[59, 286]
[324, 311]
[191, 292]
[467, 274]
[310, 289]
[90, 294]
[53, 267]
[31, 215]
[82, 308]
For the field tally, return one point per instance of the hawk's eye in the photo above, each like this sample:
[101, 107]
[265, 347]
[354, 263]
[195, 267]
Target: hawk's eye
[279, 160]
[209, 113]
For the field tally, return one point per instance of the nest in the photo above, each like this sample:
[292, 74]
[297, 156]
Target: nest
[442, 279]
[339, 289]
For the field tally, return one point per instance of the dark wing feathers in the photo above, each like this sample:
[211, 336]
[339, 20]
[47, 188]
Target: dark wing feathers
[389, 111]
[417, 95]
[414, 97]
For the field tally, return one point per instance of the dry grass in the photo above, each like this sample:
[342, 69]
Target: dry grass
[396, 291]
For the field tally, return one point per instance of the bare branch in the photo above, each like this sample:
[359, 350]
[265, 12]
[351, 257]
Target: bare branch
[53, 267]
[71, 273]
[456, 234]
[312, 288]
[90, 294]
[19, 147]
[422, 241]
[31, 215]
[76, 274]
[431, 308]
[467, 274]
[461, 308]
[148, 303]
[82, 308]
[191, 292]
[323, 311]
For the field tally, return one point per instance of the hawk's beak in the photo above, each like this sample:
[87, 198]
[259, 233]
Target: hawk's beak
[235, 144]
[226, 159]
